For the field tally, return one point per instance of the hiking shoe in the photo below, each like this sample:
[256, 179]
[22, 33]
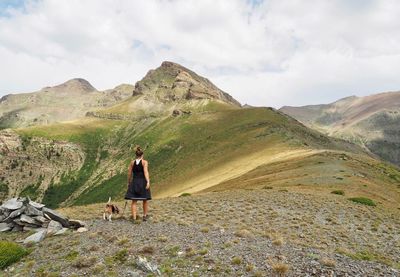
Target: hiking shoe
[145, 217]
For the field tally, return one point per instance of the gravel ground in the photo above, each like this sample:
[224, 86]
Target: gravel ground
[273, 234]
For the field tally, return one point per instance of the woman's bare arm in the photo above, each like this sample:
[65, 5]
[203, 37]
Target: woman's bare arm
[130, 172]
[146, 173]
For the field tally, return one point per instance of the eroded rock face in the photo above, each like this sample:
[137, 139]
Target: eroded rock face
[173, 82]
[33, 163]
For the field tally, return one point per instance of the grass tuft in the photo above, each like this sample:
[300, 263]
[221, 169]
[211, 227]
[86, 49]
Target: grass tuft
[338, 192]
[10, 253]
[363, 200]
[280, 268]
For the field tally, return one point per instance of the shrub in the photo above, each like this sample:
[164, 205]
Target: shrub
[121, 256]
[328, 262]
[338, 192]
[72, 255]
[185, 194]
[267, 187]
[236, 260]
[363, 200]
[85, 262]
[147, 250]
[280, 268]
[10, 253]
[243, 233]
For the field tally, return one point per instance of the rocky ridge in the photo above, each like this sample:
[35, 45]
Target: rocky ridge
[173, 82]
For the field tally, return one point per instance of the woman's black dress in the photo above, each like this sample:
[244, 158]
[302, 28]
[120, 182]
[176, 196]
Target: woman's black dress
[137, 188]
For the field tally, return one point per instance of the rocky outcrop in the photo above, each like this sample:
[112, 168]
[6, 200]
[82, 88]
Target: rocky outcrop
[28, 165]
[22, 214]
[173, 82]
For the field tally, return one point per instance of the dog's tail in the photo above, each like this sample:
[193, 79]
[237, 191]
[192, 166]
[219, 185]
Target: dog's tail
[109, 200]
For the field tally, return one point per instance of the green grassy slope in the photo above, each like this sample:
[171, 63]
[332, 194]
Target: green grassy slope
[179, 148]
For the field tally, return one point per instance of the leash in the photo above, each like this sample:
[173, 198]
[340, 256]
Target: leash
[123, 212]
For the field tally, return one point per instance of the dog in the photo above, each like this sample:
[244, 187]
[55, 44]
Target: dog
[110, 210]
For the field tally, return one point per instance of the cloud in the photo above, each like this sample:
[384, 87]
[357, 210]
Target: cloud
[269, 53]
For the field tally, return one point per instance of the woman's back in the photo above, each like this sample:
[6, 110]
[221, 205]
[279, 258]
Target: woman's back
[137, 168]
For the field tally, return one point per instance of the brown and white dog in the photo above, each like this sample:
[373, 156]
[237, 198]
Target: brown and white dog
[109, 210]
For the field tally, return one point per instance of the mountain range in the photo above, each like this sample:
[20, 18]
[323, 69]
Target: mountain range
[371, 121]
[71, 144]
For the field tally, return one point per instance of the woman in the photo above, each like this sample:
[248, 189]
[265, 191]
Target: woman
[139, 184]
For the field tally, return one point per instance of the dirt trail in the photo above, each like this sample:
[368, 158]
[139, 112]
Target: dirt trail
[236, 168]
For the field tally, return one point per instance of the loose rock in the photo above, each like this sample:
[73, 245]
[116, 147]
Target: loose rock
[53, 227]
[13, 204]
[143, 264]
[37, 237]
[82, 229]
[56, 216]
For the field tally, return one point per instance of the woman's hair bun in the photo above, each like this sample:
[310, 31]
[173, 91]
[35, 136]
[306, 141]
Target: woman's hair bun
[138, 151]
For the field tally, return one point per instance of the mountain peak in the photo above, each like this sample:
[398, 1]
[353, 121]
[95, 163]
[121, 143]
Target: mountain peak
[73, 85]
[174, 82]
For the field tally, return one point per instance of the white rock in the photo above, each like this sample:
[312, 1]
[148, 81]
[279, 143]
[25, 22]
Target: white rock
[82, 229]
[36, 205]
[62, 231]
[28, 219]
[143, 264]
[53, 227]
[12, 204]
[37, 237]
[4, 227]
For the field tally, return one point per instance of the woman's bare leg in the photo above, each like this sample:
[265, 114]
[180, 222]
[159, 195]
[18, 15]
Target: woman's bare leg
[133, 209]
[145, 207]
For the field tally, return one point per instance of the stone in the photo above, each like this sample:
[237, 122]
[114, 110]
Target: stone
[29, 228]
[53, 227]
[4, 227]
[61, 232]
[16, 213]
[143, 264]
[18, 221]
[32, 211]
[13, 204]
[40, 219]
[17, 228]
[75, 223]
[27, 219]
[131, 273]
[36, 205]
[82, 229]
[36, 237]
[56, 216]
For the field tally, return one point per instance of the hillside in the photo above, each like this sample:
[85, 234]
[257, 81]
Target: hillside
[279, 232]
[371, 121]
[67, 101]
[193, 144]
[237, 191]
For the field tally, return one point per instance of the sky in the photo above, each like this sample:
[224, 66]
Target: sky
[263, 53]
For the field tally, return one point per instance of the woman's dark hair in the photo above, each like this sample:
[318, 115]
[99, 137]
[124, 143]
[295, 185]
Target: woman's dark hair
[138, 151]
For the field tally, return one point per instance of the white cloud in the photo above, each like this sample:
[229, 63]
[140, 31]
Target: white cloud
[272, 53]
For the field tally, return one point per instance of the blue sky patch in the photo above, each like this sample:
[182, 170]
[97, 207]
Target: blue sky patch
[6, 5]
